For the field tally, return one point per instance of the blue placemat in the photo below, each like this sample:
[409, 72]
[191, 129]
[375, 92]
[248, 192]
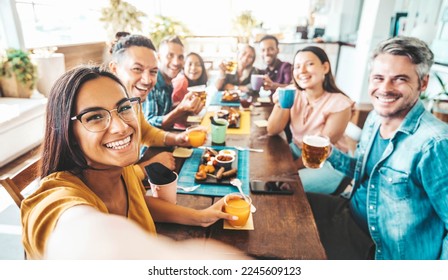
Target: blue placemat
[217, 101]
[190, 167]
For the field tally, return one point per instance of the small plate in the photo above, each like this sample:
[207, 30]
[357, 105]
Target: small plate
[261, 123]
[227, 94]
[194, 119]
[248, 226]
[182, 152]
[264, 99]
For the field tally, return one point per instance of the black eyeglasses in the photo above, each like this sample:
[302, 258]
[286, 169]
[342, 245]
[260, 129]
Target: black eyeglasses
[97, 120]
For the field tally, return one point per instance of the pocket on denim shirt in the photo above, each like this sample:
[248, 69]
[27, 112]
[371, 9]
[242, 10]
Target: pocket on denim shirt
[395, 183]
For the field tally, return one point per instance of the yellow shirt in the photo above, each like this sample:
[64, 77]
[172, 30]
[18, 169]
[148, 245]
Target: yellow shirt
[62, 190]
[151, 136]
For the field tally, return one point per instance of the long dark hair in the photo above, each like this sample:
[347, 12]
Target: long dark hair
[329, 84]
[60, 151]
[203, 78]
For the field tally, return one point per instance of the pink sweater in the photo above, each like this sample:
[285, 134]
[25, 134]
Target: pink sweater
[311, 118]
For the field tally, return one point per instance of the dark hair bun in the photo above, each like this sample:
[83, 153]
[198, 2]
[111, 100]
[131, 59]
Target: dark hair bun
[118, 36]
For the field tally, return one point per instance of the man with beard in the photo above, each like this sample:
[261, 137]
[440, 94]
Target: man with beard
[158, 107]
[398, 206]
[277, 72]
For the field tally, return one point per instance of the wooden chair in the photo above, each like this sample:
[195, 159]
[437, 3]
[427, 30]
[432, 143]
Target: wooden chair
[16, 183]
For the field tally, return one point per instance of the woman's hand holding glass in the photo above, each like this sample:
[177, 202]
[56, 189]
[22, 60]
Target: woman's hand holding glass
[214, 213]
[182, 139]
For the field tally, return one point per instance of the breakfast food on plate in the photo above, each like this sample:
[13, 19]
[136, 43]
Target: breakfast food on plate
[229, 173]
[219, 173]
[224, 158]
[227, 152]
[234, 116]
[230, 96]
[200, 175]
[209, 165]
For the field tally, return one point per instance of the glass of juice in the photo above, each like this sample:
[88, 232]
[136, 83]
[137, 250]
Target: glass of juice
[196, 135]
[237, 205]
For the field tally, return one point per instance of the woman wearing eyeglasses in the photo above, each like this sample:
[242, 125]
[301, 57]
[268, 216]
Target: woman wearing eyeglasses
[89, 191]
[134, 61]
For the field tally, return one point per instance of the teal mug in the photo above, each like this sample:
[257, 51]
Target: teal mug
[219, 130]
[286, 97]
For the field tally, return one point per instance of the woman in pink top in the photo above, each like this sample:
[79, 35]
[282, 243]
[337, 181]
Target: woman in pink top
[194, 74]
[320, 107]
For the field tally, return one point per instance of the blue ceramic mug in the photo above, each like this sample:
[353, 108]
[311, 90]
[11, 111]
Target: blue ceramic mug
[286, 97]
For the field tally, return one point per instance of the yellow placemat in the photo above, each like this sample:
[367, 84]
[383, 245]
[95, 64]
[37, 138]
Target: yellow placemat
[244, 123]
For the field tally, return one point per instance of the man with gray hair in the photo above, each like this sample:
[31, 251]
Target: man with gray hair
[398, 208]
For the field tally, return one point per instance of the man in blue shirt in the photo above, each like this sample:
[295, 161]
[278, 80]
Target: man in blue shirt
[158, 107]
[398, 208]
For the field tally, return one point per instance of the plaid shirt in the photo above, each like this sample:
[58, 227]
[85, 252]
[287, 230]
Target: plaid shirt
[159, 102]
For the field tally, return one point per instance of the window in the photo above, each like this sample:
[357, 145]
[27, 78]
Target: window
[51, 22]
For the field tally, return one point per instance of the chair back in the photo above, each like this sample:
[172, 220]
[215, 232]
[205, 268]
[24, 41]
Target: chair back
[16, 183]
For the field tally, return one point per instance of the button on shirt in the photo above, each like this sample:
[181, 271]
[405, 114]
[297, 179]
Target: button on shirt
[358, 202]
[407, 194]
[159, 102]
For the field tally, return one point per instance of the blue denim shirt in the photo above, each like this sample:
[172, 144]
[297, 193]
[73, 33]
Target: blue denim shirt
[407, 194]
[159, 102]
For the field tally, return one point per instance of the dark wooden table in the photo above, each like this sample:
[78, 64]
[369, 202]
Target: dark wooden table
[284, 224]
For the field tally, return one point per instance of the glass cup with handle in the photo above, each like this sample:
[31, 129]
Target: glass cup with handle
[256, 81]
[200, 92]
[231, 66]
[286, 97]
[315, 150]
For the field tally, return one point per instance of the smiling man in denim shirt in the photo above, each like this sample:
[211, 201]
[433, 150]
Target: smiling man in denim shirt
[398, 208]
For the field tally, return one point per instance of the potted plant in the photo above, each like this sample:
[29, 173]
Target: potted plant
[121, 16]
[243, 24]
[18, 74]
[162, 26]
